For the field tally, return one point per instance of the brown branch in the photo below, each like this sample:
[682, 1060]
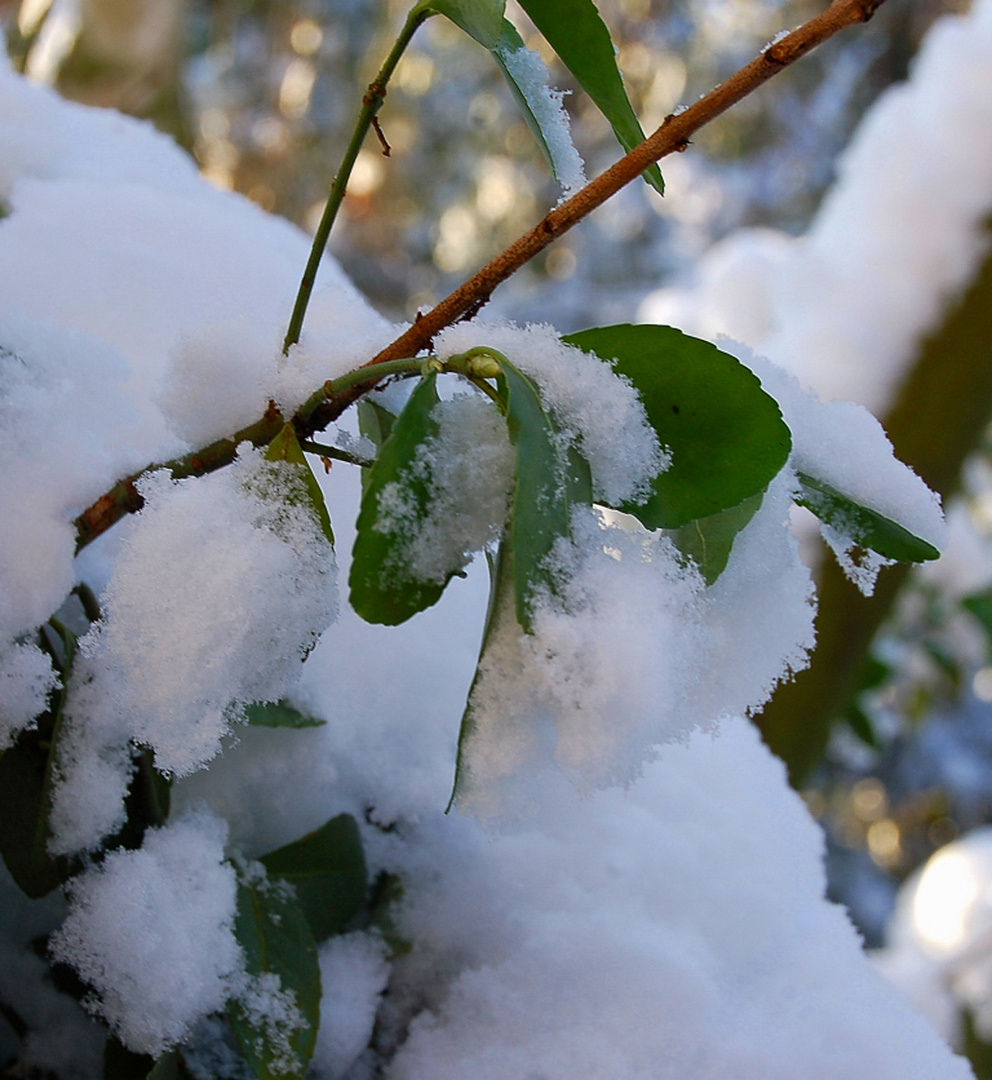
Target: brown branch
[672, 137]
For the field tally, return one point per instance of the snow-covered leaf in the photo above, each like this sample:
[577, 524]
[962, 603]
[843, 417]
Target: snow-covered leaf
[383, 586]
[26, 778]
[279, 714]
[726, 436]
[327, 867]
[547, 481]
[541, 106]
[286, 447]
[866, 527]
[275, 1016]
[579, 36]
[480, 19]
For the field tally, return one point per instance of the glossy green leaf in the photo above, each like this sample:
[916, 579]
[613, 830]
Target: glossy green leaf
[480, 19]
[286, 447]
[708, 541]
[374, 423]
[383, 587]
[327, 868]
[545, 483]
[519, 78]
[276, 940]
[279, 714]
[579, 36]
[866, 527]
[726, 436]
[26, 777]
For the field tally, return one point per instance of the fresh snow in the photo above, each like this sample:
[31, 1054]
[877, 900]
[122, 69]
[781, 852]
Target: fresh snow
[640, 894]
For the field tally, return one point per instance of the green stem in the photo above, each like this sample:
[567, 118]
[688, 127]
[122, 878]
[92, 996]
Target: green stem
[371, 104]
[310, 447]
[407, 365]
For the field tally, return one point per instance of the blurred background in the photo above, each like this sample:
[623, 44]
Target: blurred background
[898, 762]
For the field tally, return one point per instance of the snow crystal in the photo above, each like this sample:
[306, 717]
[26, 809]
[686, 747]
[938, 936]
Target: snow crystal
[599, 410]
[26, 678]
[530, 76]
[353, 974]
[151, 931]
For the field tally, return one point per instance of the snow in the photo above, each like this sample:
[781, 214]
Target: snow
[715, 956]
[530, 76]
[470, 452]
[602, 413]
[353, 973]
[220, 589]
[151, 931]
[646, 898]
[26, 677]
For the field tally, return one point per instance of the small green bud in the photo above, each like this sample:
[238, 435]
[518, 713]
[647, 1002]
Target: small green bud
[484, 366]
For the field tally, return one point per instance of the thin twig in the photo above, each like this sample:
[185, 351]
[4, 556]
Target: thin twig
[673, 136]
[368, 116]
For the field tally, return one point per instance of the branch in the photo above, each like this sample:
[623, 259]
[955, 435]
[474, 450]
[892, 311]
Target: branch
[673, 136]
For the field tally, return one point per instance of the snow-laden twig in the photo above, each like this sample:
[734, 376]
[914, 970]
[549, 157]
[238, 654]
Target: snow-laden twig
[671, 137]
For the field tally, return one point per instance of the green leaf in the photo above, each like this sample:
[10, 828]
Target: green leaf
[480, 19]
[866, 527]
[546, 481]
[286, 447]
[383, 586]
[579, 36]
[708, 541]
[279, 714]
[26, 777]
[327, 868]
[375, 423]
[726, 436]
[276, 940]
[510, 43]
